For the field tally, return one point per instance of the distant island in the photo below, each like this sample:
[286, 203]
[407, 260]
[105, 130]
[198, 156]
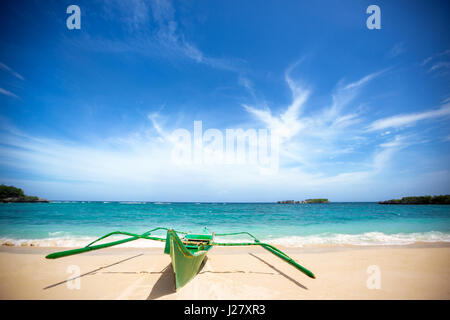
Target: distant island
[13, 194]
[304, 201]
[443, 199]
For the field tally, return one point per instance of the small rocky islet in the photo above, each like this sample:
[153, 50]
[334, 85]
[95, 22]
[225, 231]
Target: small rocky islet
[303, 201]
[11, 194]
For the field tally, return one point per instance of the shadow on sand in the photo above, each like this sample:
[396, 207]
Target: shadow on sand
[166, 283]
[280, 272]
[91, 272]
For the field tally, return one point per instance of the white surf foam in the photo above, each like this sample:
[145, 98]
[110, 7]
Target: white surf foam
[364, 239]
[77, 242]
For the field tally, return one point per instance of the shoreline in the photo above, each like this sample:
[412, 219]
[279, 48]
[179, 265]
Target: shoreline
[292, 242]
[288, 249]
[406, 272]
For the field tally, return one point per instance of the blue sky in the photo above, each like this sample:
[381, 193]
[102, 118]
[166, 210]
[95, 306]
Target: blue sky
[87, 114]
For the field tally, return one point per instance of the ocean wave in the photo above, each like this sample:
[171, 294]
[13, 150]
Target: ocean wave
[364, 239]
[76, 242]
[132, 202]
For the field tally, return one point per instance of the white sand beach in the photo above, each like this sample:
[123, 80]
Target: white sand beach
[406, 272]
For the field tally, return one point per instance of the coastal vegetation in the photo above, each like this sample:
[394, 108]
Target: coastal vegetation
[442, 199]
[320, 200]
[13, 194]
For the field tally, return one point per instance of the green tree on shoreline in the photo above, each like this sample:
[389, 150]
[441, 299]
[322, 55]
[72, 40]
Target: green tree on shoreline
[441, 199]
[13, 194]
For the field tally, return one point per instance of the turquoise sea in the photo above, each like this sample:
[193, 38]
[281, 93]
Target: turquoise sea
[75, 223]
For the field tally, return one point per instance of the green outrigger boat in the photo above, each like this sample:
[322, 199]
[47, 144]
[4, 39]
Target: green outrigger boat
[187, 254]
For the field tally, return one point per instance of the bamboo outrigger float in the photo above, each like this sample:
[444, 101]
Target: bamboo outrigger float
[187, 254]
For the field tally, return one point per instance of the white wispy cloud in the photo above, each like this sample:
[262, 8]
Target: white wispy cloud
[403, 120]
[133, 14]
[397, 50]
[365, 79]
[11, 71]
[307, 140]
[169, 34]
[438, 64]
[426, 60]
[287, 125]
[154, 31]
[430, 58]
[8, 93]
[387, 149]
[247, 84]
[326, 124]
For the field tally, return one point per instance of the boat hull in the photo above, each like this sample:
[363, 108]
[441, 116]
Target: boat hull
[186, 259]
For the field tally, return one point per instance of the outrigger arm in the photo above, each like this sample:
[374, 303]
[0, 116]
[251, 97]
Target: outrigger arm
[275, 251]
[147, 235]
[91, 247]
